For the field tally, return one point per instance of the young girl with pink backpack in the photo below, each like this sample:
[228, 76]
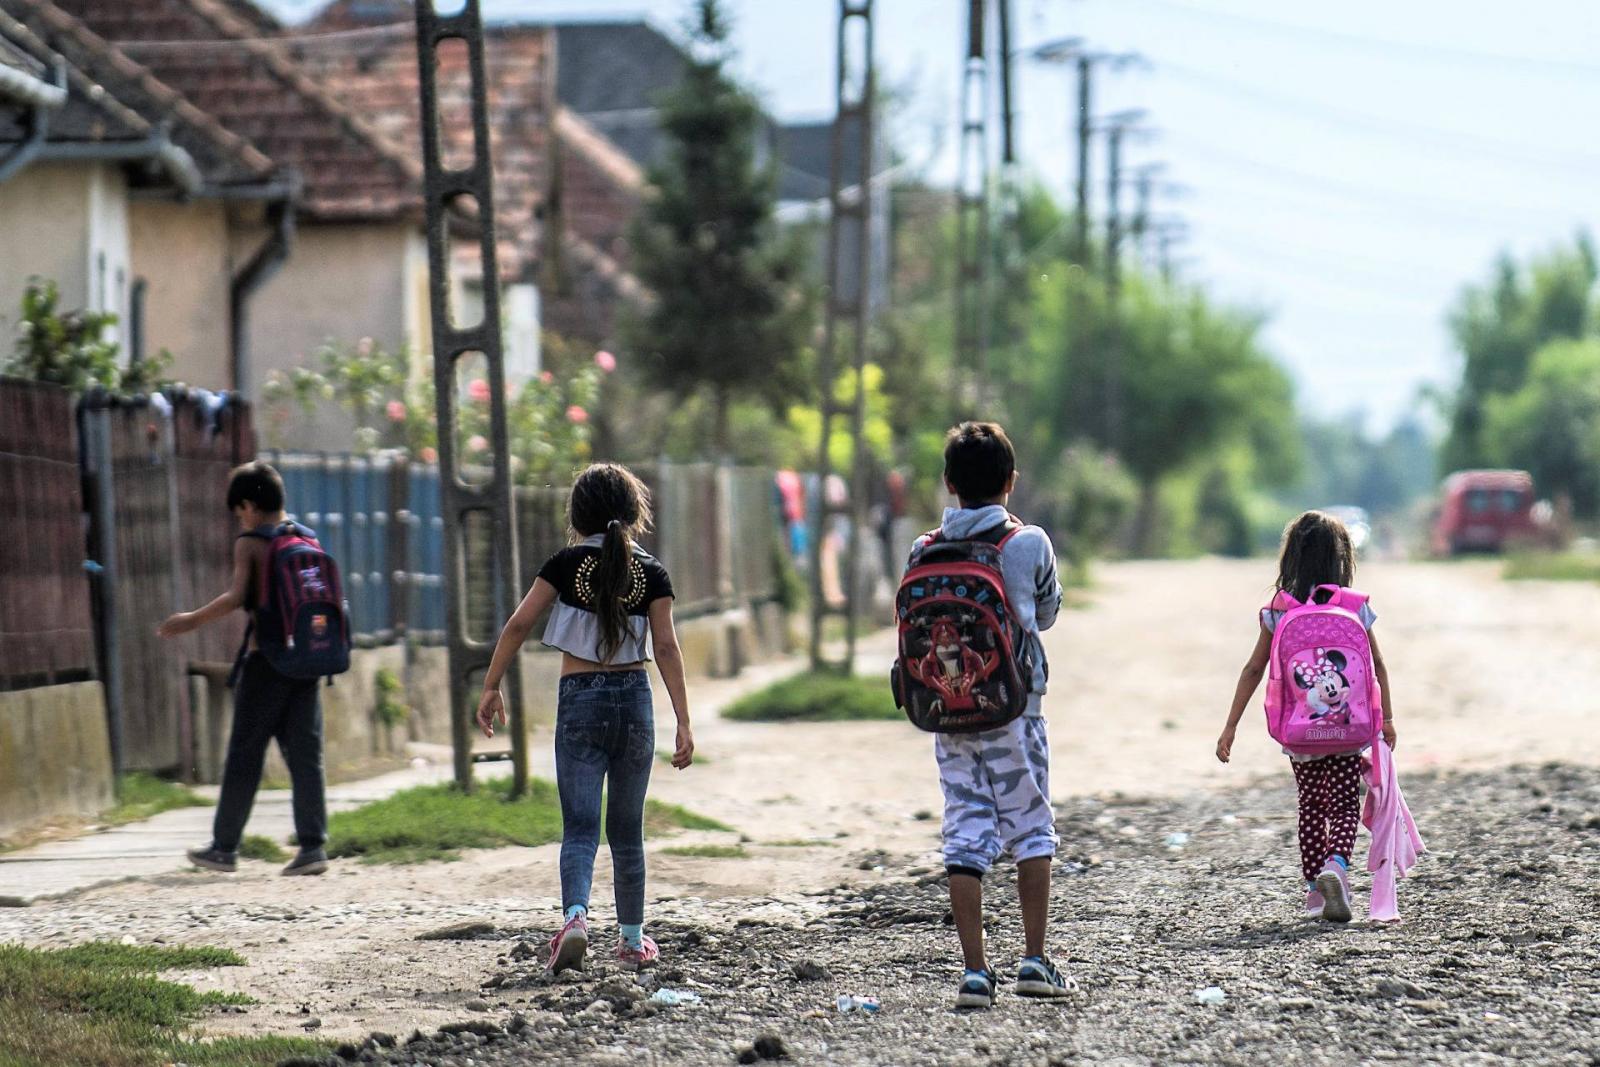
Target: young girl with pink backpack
[1327, 705]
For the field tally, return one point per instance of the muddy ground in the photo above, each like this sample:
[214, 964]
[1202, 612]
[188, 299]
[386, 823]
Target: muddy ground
[1495, 961]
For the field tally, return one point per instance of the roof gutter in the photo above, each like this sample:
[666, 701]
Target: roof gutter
[41, 98]
[157, 148]
[251, 277]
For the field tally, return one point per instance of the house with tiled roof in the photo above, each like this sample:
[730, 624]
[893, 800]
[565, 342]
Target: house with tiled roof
[358, 266]
[130, 199]
[563, 193]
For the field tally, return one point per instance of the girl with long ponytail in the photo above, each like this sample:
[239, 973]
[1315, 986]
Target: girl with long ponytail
[610, 606]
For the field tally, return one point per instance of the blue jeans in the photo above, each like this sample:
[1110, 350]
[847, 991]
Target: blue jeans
[605, 745]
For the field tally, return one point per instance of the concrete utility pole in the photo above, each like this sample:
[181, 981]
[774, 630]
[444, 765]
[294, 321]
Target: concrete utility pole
[1116, 127]
[972, 222]
[478, 502]
[1075, 52]
[849, 306]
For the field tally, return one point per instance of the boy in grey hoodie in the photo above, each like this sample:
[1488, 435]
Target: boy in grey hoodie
[996, 784]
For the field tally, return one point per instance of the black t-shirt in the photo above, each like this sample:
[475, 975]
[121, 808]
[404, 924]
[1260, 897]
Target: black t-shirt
[572, 572]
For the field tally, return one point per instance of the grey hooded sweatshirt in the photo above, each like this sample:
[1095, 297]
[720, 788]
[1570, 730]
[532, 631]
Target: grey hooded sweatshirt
[1028, 564]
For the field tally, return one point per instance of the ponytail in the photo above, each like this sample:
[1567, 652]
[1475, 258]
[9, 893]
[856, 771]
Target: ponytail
[611, 586]
[609, 500]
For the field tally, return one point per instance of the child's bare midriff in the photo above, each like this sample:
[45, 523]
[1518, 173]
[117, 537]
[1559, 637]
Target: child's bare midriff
[571, 664]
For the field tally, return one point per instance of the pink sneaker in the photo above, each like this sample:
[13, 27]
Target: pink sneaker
[635, 958]
[1314, 904]
[568, 947]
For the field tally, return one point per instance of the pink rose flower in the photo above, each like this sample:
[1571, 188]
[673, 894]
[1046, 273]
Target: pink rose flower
[605, 361]
[478, 443]
[545, 378]
[479, 390]
[577, 414]
[364, 347]
[396, 410]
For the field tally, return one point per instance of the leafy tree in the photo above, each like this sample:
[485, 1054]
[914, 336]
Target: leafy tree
[1195, 381]
[731, 312]
[1551, 426]
[1499, 326]
[70, 348]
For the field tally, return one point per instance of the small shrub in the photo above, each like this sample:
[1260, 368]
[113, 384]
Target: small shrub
[818, 697]
[391, 709]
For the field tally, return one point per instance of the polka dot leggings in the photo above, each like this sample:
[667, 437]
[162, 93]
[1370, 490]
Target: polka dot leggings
[1330, 807]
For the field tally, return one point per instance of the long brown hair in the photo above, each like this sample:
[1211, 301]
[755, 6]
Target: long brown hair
[609, 499]
[1316, 551]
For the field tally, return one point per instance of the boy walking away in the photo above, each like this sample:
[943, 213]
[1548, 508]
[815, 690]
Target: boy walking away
[976, 594]
[298, 634]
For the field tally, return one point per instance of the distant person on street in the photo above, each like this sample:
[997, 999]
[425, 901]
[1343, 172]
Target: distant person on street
[1328, 699]
[610, 609]
[290, 589]
[996, 782]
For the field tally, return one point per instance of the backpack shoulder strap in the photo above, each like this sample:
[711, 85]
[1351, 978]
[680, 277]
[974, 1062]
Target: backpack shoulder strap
[999, 535]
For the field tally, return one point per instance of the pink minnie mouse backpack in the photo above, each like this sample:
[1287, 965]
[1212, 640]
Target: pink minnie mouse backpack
[1322, 692]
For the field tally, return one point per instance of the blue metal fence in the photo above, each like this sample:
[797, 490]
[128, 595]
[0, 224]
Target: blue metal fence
[380, 517]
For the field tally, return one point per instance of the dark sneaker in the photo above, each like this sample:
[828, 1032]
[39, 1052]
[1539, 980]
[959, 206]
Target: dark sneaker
[214, 859]
[1038, 977]
[977, 990]
[308, 861]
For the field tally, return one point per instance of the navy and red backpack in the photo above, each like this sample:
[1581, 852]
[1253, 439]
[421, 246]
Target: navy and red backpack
[961, 666]
[299, 615]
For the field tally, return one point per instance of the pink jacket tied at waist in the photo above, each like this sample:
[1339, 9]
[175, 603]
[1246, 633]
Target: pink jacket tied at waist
[1395, 841]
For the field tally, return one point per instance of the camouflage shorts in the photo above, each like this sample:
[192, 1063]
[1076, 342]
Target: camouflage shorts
[996, 794]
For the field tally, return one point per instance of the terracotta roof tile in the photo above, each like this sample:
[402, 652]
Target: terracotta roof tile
[224, 158]
[215, 56]
[375, 74]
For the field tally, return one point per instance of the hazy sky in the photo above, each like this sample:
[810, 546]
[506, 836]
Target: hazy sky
[1348, 167]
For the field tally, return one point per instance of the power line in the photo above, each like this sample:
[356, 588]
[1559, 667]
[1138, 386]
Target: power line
[1368, 45]
[1397, 129]
[1456, 210]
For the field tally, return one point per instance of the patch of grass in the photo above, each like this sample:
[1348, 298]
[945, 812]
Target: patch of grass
[714, 852]
[435, 822]
[257, 847]
[659, 815]
[1553, 567]
[140, 796]
[802, 842]
[102, 1004]
[817, 697]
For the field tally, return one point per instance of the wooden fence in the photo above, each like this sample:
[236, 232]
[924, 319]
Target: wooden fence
[156, 474]
[46, 631]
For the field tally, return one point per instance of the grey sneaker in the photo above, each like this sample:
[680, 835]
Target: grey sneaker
[212, 858]
[308, 861]
[1334, 885]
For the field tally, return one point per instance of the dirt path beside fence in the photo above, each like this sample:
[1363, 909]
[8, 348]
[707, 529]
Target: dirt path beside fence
[1486, 674]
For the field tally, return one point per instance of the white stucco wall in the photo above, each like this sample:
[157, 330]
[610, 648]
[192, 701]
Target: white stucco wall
[56, 220]
[181, 251]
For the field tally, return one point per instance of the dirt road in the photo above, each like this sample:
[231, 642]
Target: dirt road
[840, 824]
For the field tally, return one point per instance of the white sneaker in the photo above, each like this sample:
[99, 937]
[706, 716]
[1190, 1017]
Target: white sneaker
[1334, 885]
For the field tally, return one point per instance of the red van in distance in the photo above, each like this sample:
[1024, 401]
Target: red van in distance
[1485, 511]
